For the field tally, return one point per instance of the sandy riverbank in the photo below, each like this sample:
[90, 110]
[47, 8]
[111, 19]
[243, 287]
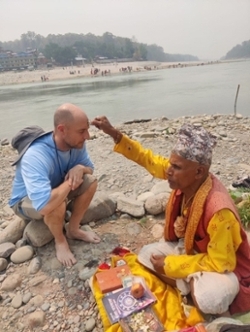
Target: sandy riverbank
[60, 73]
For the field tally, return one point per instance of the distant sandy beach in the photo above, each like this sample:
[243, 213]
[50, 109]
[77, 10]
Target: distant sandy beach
[60, 73]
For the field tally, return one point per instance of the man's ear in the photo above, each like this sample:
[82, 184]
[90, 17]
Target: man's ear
[61, 128]
[200, 171]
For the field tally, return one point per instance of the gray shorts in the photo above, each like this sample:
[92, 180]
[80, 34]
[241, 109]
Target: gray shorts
[25, 210]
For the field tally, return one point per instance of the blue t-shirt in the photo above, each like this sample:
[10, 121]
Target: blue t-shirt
[41, 169]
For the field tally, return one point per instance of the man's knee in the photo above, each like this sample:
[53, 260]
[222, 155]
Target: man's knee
[213, 293]
[89, 184]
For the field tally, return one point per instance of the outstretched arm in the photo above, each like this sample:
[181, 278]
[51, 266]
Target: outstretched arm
[101, 122]
[133, 150]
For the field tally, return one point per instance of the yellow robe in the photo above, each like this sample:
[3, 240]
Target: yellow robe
[218, 258]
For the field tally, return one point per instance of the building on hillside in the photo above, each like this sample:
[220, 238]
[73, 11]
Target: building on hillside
[22, 60]
[79, 60]
[41, 60]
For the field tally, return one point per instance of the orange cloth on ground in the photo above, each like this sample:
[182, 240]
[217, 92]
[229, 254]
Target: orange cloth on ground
[168, 306]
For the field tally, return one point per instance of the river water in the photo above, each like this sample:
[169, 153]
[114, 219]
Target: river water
[194, 90]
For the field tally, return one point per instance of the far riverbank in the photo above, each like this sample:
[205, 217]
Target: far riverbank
[65, 73]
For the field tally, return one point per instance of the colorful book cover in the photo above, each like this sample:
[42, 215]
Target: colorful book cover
[144, 320]
[121, 303]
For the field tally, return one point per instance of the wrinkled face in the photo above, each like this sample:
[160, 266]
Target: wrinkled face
[182, 174]
[76, 133]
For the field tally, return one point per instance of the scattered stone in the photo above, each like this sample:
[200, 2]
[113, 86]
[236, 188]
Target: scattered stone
[22, 254]
[27, 297]
[68, 302]
[4, 142]
[17, 301]
[37, 300]
[37, 280]
[133, 229]
[36, 319]
[3, 264]
[35, 265]
[6, 249]
[45, 306]
[11, 282]
[157, 231]
[86, 273]
[21, 243]
[90, 324]
[13, 232]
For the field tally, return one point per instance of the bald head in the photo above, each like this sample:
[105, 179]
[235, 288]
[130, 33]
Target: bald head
[68, 114]
[71, 127]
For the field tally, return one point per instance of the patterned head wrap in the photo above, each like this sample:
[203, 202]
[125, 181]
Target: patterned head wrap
[195, 144]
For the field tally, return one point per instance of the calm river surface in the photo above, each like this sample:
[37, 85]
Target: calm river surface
[208, 89]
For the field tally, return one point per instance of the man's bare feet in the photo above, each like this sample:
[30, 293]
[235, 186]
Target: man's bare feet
[63, 254]
[86, 236]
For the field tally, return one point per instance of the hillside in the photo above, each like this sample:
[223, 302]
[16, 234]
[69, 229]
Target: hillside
[239, 51]
[63, 48]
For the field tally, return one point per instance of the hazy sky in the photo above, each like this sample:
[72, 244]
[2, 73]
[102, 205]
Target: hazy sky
[205, 28]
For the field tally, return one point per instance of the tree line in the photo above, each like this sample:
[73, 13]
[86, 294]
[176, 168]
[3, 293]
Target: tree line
[239, 51]
[64, 48]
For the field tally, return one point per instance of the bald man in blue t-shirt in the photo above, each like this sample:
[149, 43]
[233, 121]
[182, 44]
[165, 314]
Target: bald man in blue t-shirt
[55, 169]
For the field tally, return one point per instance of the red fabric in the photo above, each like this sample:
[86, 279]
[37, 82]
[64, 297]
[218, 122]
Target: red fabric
[104, 266]
[120, 251]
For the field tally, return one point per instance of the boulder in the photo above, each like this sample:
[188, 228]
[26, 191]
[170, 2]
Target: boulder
[156, 204]
[14, 231]
[161, 187]
[37, 233]
[102, 206]
[133, 207]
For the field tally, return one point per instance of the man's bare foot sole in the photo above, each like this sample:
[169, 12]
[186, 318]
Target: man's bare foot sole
[64, 255]
[86, 236]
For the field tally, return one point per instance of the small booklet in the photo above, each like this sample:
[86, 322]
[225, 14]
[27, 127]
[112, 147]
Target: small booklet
[144, 320]
[121, 303]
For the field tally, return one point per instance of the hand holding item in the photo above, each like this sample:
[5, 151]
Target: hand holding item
[158, 263]
[101, 122]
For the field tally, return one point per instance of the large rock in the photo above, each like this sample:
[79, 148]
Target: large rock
[133, 207]
[37, 233]
[156, 204]
[101, 207]
[13, 232]
[161, 187]
[144, 196]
